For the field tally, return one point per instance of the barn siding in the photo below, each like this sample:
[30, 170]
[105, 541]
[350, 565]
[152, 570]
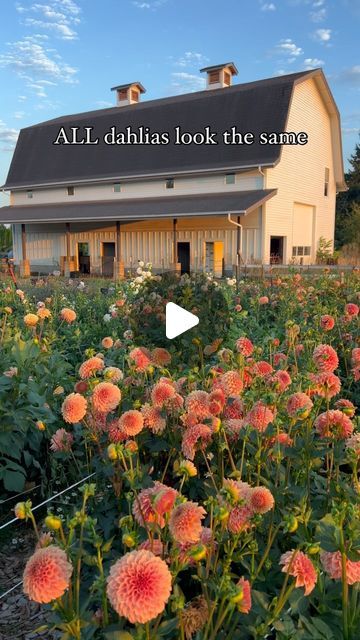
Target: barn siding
[149, 240]
[300, 175]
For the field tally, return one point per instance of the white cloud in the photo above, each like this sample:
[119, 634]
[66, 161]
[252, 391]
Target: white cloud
[268, 6]
[152, 4]
[323, 35]
[319, 15]
[58, 17]
[8, 137]
[18, 115]
[190, 59]
[313, 63]
[62, 30]
[32, 61]
[187, 82]
[289, 48]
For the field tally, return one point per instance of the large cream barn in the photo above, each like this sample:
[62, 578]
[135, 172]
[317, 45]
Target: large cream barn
[98, 208]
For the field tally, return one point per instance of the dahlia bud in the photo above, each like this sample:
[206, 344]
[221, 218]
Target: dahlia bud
[291, 524]
[112, 452]
[198, 553]
[128, 540]
[238, 596]
[20, 510]
[53, 522]
[313, 549]
[40, 425]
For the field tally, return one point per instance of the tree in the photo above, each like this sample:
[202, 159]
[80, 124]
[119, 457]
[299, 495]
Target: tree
[5, 238]
[347, 204]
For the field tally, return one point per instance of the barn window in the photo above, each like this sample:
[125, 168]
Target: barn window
[134, 95]
[227, 78]
[29, 193]
[301, 251]
[230, 178]
[326, 184]
[122, 94]
[70, 191]
[117, 187]
[214, 77]
[169, 183]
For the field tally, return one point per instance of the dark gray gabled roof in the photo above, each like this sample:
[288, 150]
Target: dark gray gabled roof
[257, 107]
[240, 202]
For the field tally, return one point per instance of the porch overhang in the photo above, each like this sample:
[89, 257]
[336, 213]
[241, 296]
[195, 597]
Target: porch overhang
[127, 210]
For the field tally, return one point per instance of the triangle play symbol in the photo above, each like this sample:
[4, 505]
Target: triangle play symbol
[178, 320]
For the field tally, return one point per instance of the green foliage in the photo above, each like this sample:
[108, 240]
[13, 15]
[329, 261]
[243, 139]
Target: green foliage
[347, 205]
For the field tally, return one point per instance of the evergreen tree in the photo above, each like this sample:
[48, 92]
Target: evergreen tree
[5, 238]
[348, 205]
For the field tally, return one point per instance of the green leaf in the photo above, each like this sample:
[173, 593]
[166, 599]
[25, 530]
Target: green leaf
[14, 480]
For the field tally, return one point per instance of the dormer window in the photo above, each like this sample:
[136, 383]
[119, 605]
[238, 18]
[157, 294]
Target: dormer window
[214, 77]
[70, 191]
[230, 178]
[117, 187]
[29, 193]
[169, 183]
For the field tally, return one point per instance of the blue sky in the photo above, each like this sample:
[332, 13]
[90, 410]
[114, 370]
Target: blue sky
[62, 56]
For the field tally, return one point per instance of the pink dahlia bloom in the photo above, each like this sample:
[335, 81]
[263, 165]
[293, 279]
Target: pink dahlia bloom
[325, 358]
[234, 409]
[262, 368]
[139, 586]
[131, 422]
[197, 403]
[353, 443]
[355, 356]
[327, 322]
[197, 436]
[331, 561]
[259, 417]
[298, 564]
[74, 408]
[141, 358]
[162, 393]
[145, 509]
[233, 427]
[155, 546]
[352, 309]
[90, 367]
[281, 380]
[61, 441]
[115, 434]
[261, 500]
[263, 300]
[185, 522]
[299, 406]
[106, 397]
[279, 358]
[47, 574]
[244, 605]
[244, 346]
[153, 418]
[334, 424]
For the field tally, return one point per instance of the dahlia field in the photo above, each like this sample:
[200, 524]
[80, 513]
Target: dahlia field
[221, 489]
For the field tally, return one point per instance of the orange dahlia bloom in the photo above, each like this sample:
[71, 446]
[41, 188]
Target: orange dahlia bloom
[74, 408]
[107, 342]
[162, 393]
[106, 397]
[90, 367]
[131, 422]
[68, 315]
[331, 561]
[153, 418]
[44, 313]
[139, 586]
[47, 574]
[161, 357]
[325, 358]
[185, 522]
[231, 383]
[31, 319]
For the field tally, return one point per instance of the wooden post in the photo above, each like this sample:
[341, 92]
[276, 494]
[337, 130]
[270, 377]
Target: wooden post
[175, 240]
[24, 263]
[238, 251]
[68, 250]
[119, 264]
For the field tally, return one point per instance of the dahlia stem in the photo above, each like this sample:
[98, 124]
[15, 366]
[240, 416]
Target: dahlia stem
[345, 588]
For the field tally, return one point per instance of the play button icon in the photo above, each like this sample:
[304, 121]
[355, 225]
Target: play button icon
[178, 320]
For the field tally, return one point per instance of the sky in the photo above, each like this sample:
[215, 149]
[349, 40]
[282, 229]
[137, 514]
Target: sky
[62, 56]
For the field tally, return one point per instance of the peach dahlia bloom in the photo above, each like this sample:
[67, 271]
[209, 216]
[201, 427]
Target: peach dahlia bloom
[196, 436]
[244, 346]
[297, 564]
[113, 373]
[331, 561]
[244, 605]
[352, 309]
[231, 383]
[139, 586]
[334, 424]
[153, 418]
[185, 522]
[327, 322]
[47, 574]
[325, 358]
[106, 397]
[61, 441]
[299, 405]
[141, 357]
[153, 503]
[131, 422]
[90, 367]
[31, 319]
[261, 500]
[107, 342]
[259, 417]
[68, 315]
[74, 408]
[239, 519]
[162, 393]
[161, 357]
[197, 403]
[326, 385]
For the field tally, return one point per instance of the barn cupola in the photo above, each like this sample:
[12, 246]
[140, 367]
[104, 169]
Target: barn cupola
[220, 75]
[128, 93]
